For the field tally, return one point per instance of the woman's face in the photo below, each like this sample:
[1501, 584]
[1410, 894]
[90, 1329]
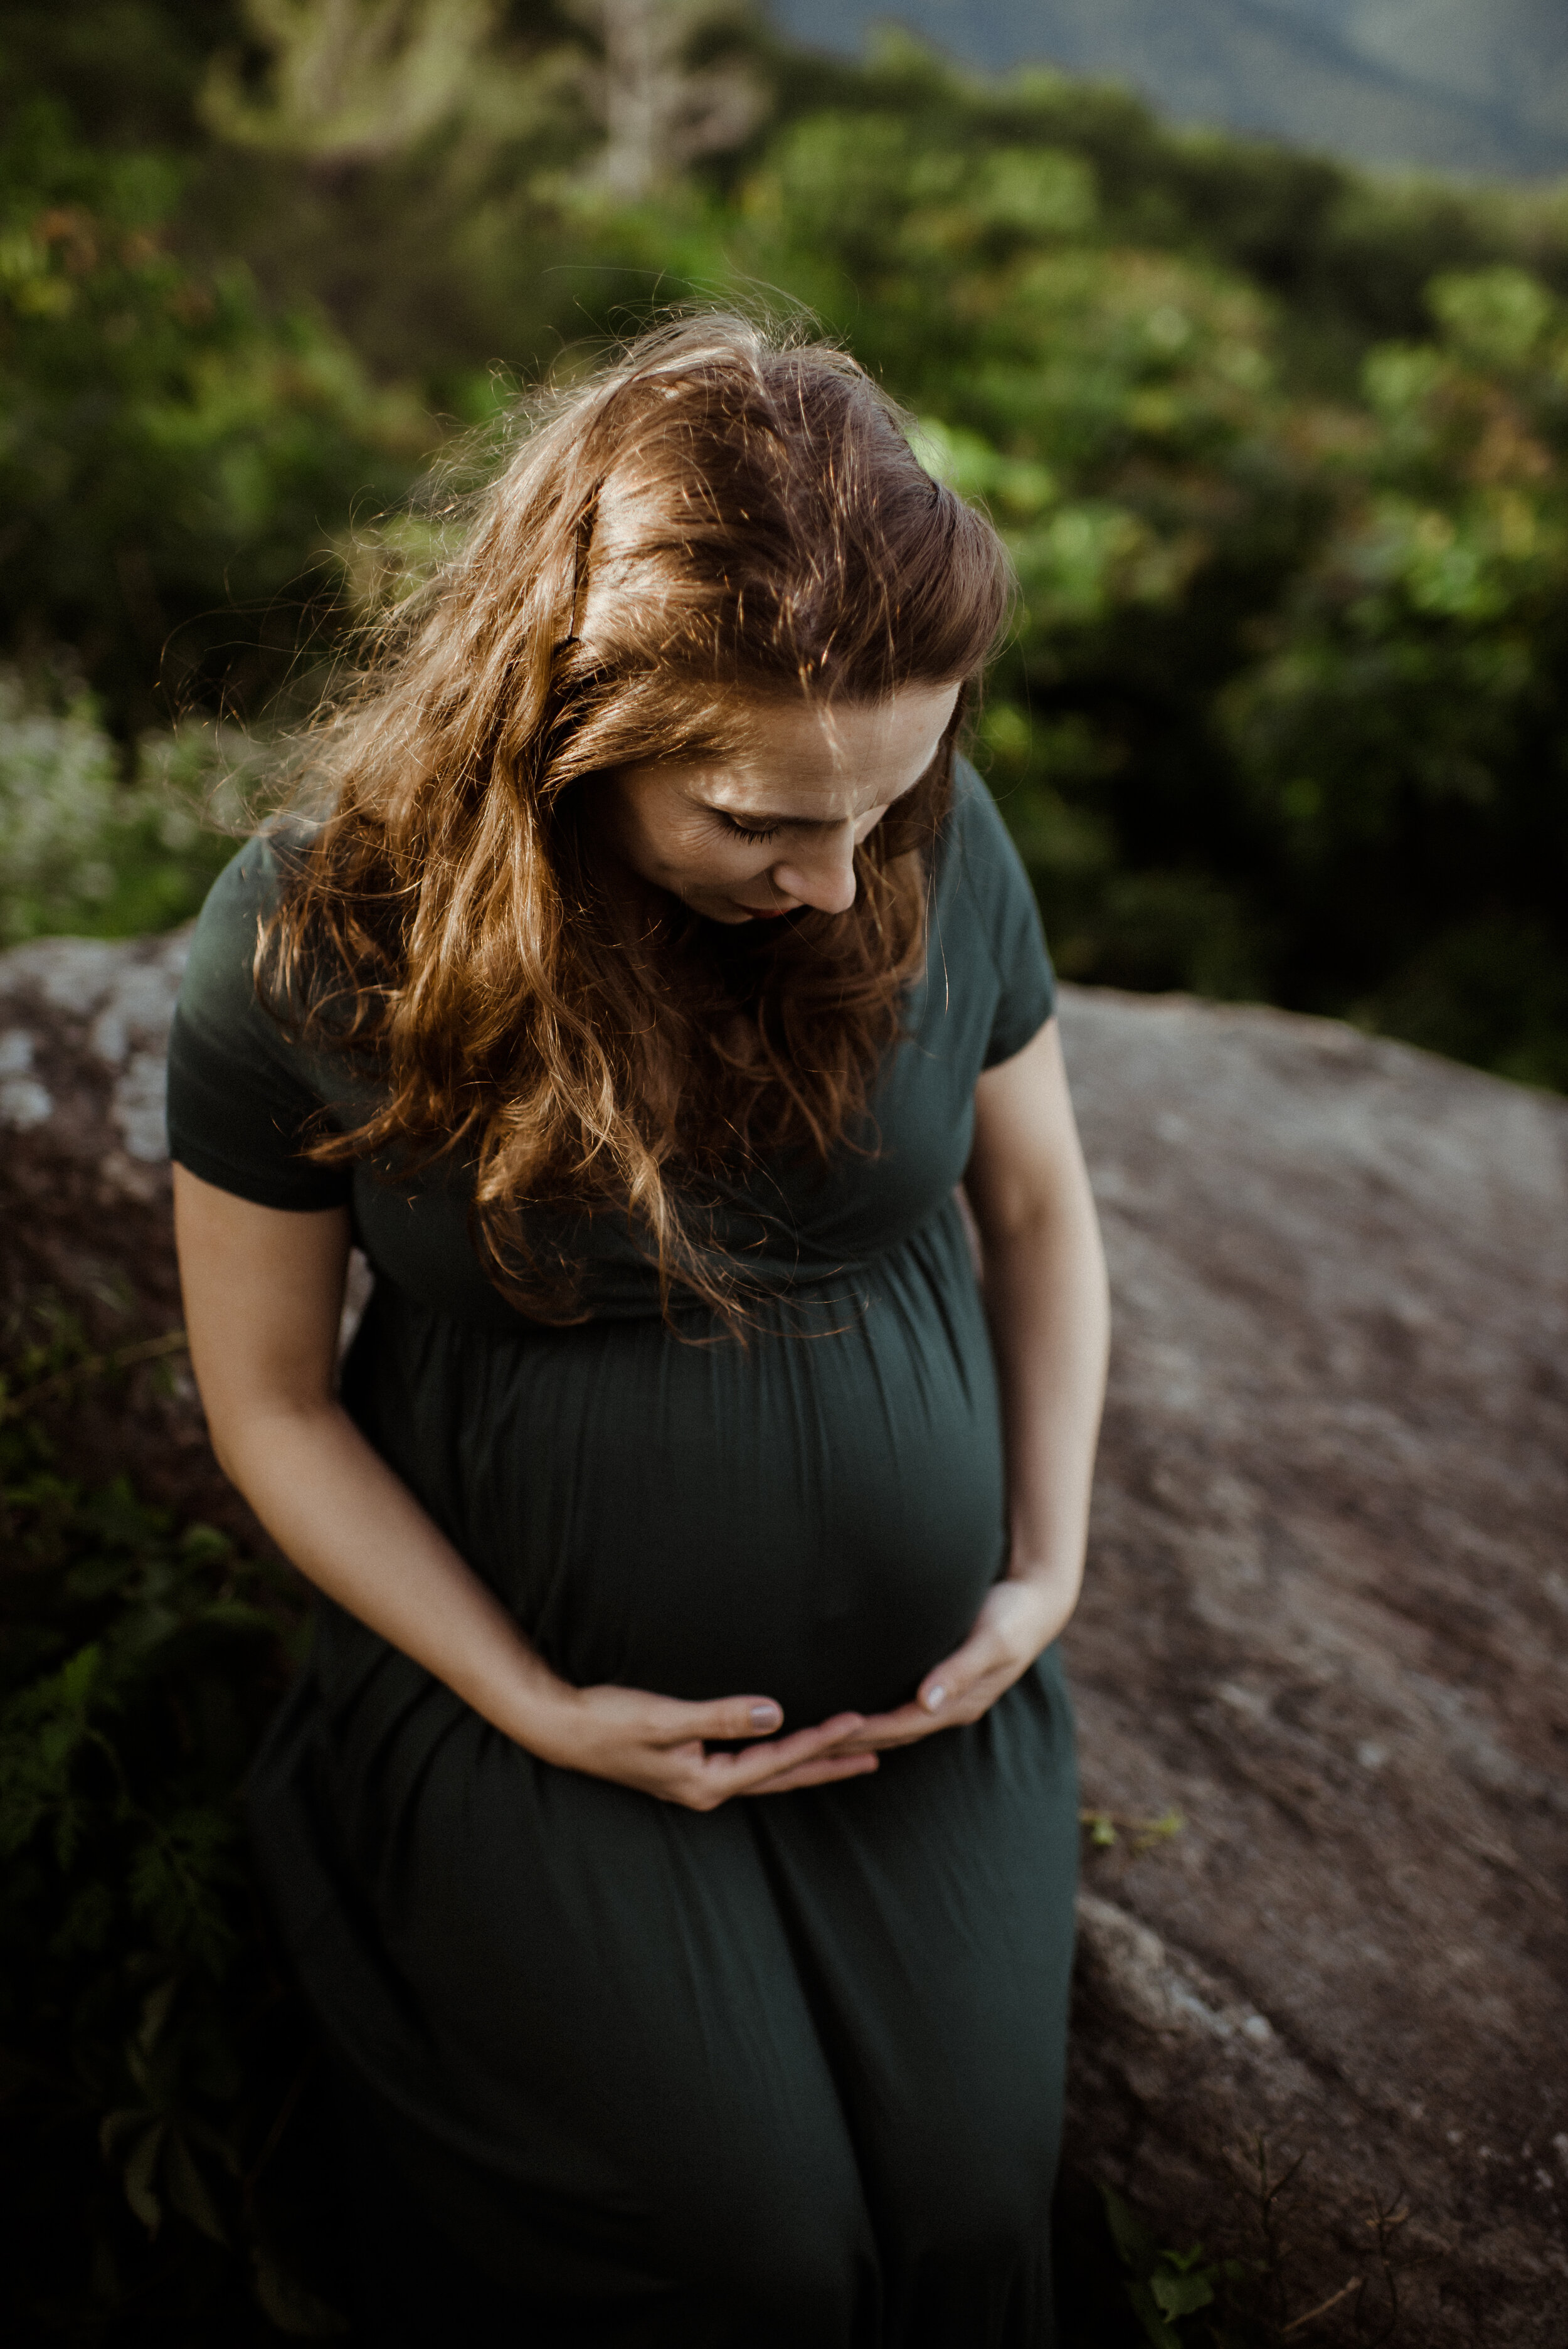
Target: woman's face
[775, 824]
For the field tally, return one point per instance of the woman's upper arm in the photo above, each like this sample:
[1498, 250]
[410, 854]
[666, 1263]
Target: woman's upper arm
[263, 1297]
[1026, 1150]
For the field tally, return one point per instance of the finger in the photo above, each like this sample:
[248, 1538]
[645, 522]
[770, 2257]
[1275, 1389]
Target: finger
[900, 1728]
[951, 1680]
[913, 1722]
[740, 1771]
[726, 1718]
[821, 1773]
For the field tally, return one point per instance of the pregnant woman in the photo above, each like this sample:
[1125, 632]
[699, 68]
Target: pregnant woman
[674, 1829]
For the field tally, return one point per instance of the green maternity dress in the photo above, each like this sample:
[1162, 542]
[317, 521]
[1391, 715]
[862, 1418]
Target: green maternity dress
[787, 2076]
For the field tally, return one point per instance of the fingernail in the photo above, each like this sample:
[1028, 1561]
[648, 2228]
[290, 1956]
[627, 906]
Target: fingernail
[766, 1716]
[934, 1699]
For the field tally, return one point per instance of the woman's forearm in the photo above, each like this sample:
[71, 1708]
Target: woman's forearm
[334, 1507]
[1046, 1299]
[1046, 1302]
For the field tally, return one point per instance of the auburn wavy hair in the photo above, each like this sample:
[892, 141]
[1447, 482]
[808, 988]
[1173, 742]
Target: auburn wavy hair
[719, 515]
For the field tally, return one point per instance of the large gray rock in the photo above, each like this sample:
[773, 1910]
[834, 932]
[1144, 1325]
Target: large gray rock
[83, 1028]
[87, 1260]
[1326, 1621]
[1326, 1618]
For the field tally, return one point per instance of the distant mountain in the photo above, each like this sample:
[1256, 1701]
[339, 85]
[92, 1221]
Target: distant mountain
[1475, 86]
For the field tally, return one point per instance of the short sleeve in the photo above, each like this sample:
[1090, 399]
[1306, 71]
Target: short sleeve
[992, 872]
[241, 1106]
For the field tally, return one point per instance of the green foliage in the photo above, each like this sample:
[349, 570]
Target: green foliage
[168, 454]
[87, 854]
[1196, 2299]
[1402, 741]
[1164, 2287]
[142, 2032]
[1276, 447]
[1106, 1828]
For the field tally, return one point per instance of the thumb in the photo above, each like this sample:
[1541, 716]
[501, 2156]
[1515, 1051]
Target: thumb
[942, 1684]
[955, 1676]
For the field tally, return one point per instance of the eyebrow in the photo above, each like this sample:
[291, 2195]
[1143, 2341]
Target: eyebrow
[756, 821]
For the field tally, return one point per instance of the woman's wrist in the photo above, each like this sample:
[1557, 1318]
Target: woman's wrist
[558, 1724]
[521, 1696]
[1061, 1575]
[1053, 1585]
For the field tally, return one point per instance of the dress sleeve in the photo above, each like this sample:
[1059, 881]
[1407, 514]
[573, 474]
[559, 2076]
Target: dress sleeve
[1004, 900]
[241, 1105]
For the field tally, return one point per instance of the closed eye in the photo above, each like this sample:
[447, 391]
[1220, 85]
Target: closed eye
[744, 831]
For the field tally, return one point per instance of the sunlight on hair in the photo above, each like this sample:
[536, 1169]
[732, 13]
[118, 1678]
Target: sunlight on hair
[718, 515]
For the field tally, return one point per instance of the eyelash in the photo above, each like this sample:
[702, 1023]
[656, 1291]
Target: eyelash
[741, 831]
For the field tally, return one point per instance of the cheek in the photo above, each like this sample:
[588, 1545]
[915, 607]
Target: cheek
[657, 841]
[693, 854]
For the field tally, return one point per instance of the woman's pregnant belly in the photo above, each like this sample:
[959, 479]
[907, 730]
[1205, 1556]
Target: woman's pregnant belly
[815, 1517]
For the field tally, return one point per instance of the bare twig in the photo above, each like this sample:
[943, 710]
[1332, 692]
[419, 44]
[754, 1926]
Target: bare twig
[1385, 2223]
[1324, 2306]
[1264, 2192]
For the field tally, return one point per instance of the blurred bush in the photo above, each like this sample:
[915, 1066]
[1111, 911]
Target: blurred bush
[153, 2062]
[1275, 445]
[1402, 741]
[170, 455]
[86, 853]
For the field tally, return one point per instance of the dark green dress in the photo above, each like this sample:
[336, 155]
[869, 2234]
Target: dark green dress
[786, 2073]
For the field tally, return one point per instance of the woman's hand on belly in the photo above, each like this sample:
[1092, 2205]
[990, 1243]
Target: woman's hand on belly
[661, 1746]
[1018, 1621]
[1044, 1290]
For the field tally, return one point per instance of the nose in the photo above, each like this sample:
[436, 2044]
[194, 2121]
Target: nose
[822, 875]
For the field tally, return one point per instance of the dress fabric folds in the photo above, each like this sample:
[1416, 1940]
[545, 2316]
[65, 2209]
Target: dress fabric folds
[788, 2075]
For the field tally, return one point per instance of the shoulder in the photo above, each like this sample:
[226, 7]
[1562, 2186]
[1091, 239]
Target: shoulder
[247, 891]
[986, 901]
[243, 1098]
[219, 1005]
[977, 860]
[220, 974]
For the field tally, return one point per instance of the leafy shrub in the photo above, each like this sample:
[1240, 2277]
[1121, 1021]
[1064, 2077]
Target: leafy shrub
[152, 2060]
[83, 852]
[1276, 449]
[168, 456]
[1404, 742]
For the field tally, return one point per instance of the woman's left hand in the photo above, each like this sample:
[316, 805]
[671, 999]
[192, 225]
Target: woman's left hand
[1021, 1615]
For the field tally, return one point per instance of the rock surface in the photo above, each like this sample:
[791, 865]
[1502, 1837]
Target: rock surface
[84, 1206]
[1326, 1619]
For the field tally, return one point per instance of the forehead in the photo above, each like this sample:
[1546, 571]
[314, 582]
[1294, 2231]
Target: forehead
[803, 759]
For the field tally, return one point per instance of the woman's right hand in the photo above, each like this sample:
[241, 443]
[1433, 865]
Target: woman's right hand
[661, 1744]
